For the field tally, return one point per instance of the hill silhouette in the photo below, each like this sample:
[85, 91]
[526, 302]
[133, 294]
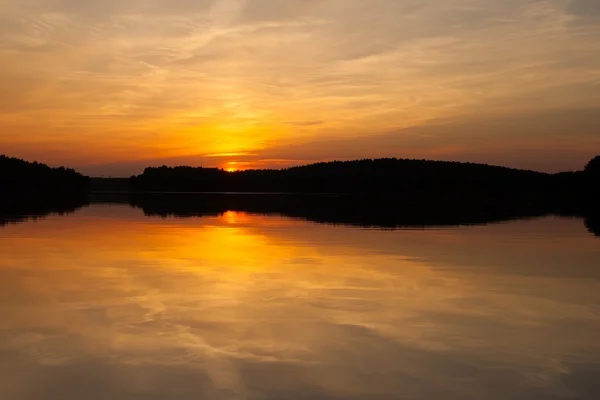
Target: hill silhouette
[419, 180]
[387, 175]
[593, 167]
[383, 192]
[416, 178]
[19, 177]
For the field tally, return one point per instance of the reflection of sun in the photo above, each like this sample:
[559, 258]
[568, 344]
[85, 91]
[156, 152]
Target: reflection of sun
[235, 217]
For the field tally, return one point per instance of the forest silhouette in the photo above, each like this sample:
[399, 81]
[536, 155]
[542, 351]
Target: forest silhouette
[20, 177]
[33, 190]
[383, 193]
[361, 176]
[419, 179]
[409, 178]
[387, 175]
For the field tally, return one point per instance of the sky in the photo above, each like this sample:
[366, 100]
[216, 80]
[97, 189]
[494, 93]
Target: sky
[109, 87]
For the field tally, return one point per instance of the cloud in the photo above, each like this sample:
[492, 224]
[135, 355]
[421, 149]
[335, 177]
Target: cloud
[539, 141]
[531, 140]
[252, 11]
[110, 8]
[174, 79]
[584, 8]
[306, 123]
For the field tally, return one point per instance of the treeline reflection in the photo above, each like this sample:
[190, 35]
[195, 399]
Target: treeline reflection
[384, 212]
[387, 212]
[15, 209]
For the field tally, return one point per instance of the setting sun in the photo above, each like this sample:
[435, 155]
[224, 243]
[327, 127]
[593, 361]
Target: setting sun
[234, 166]
[231, 166]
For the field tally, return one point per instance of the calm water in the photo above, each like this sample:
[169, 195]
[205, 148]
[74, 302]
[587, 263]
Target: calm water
[106, 303]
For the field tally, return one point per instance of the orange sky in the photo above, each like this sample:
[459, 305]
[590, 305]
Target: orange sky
[264, 83]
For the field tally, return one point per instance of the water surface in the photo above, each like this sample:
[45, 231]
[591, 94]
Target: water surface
[107, 303]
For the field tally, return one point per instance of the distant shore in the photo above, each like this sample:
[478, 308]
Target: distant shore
[416, 181]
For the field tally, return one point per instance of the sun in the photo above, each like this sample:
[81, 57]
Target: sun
[236, 166]
[231, 166]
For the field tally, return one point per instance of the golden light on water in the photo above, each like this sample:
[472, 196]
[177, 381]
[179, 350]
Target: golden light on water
[244, 303]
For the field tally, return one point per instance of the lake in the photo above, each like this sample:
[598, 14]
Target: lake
[109, 303]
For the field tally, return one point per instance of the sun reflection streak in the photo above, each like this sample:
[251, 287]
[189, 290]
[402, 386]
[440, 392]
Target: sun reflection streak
[241, 299]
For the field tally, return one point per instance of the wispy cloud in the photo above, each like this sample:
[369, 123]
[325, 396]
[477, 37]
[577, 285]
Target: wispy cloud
[182, 78]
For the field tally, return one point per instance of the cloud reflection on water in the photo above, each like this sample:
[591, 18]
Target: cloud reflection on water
[107, 303]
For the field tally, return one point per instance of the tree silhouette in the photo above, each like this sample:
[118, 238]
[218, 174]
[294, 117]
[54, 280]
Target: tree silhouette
[18, 176]
[593, 167]
[592, 223]
[388, 175]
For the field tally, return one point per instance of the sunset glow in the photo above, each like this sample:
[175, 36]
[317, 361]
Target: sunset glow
[111, 89]
[233, 166]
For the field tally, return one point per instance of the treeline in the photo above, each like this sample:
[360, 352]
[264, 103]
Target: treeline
[410, 178]
[388, 175]
[21, 177]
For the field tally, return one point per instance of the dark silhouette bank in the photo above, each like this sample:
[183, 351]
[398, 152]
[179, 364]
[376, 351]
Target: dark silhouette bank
[22, 177]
